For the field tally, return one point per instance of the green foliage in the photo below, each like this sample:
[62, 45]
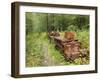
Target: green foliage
[39, 50]
[72, 28]
[29, 23]
[33, 47]
[83, 37]
[36, 22]
[81, 22]
[42, 22]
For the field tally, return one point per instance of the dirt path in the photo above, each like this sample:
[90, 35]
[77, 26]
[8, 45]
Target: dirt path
[48, 60]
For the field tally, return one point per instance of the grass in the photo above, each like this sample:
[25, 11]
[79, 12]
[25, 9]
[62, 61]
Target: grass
[40, 52]
[83, 37]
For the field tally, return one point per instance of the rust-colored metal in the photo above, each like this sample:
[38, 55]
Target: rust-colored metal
[69, 36]
[71, 50]
[69, 46]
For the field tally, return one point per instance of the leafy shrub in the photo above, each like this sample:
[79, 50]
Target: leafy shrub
[83, 37]
[72, 28]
